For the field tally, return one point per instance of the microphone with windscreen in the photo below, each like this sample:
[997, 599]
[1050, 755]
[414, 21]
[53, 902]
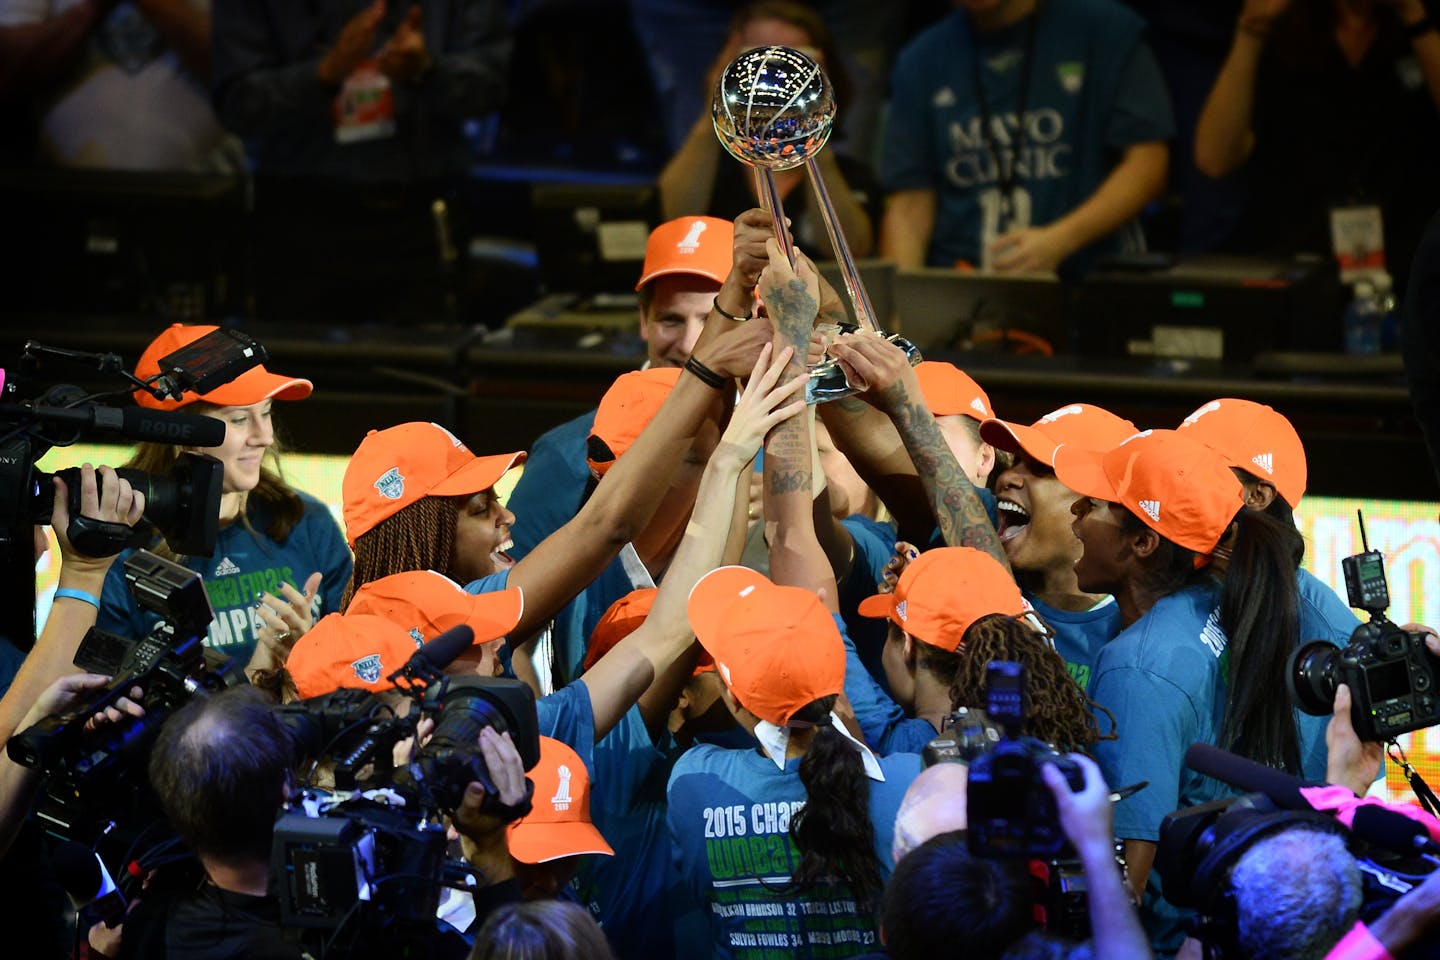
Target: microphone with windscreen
[91, 889]
[428, 664]
[1281, 788]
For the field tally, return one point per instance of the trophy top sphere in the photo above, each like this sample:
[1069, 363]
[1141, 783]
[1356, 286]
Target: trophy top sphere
[773, 107]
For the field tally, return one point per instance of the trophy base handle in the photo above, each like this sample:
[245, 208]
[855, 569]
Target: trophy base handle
[827, 379]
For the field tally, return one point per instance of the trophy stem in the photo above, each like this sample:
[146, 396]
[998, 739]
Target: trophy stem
[770, 199]
[864, 311]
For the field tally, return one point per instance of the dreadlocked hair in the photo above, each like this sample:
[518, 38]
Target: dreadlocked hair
[273, 503]
[1057, 711]
[420, 536]
[1259, 611]
[832, 832]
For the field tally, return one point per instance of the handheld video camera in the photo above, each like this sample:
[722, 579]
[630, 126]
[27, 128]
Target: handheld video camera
[366, 868]
[1391, 675]
[92, 775]
[183, 505]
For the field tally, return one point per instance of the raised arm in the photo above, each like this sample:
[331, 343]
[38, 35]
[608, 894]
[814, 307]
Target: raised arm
[894, 390]
[1225, 134]
[571, 557]
[654, 662]
[792, 298]
[1085, 816]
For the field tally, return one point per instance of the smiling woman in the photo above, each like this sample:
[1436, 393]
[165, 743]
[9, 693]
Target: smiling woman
[274, 540]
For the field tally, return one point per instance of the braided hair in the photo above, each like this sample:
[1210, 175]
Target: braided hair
[420, 536]
[1056, 708]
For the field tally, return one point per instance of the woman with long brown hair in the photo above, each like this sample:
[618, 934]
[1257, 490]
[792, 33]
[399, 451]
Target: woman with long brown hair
[280, 560]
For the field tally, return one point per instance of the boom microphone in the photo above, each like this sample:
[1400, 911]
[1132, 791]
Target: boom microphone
[1249, 776]
[132, 423]
[432, 659]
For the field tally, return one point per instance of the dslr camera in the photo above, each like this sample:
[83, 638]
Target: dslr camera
[1391, 675]
[1011, 812]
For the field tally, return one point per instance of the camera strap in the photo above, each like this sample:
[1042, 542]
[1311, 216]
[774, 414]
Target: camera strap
[1421, 789]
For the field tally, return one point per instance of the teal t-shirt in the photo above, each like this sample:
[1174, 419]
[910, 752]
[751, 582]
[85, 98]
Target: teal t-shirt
[729, 820]
[1094, 88]
[245, 563]
[1080, 634]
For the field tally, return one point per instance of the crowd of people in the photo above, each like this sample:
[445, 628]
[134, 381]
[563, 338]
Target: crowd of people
[1004, 135]
[735, 757]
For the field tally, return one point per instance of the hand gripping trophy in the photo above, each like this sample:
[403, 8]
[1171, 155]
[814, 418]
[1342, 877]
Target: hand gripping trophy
[773, 109]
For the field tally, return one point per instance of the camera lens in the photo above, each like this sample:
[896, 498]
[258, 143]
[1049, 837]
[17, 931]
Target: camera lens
[1313, 677]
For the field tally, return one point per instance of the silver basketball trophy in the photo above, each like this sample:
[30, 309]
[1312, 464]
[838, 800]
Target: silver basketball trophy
[773, 109]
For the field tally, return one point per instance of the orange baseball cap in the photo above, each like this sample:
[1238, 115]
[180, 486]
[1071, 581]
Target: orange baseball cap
[945, 590]
[350, 651]
[1085, 425]
[427, 604]
[949, 390]
[1177, 486]
[252, 386]
[703, 246]
[1254, 438]
[624, 618]
[627, 409]
[394, 468]
[558, 824]
[777, 648]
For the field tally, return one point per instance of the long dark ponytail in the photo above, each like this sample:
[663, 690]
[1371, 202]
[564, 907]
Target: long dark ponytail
[832, 831]
[1259, 610]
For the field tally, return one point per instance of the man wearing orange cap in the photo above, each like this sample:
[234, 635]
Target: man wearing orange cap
[1266, 454]
[1033, 514]
[280, 560]
[692, 264]
[1197, 662]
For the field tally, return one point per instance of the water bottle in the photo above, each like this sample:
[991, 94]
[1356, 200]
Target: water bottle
[1363, 318]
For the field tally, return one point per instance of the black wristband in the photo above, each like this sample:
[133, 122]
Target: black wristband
[727, 314]
[1419, 28]
[704, 374]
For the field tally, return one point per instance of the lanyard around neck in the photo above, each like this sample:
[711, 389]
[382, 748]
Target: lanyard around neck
[1006, 171]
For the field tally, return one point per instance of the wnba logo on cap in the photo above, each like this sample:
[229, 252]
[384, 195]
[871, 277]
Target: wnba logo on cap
[691, 241]
[391, 484]
[367, 668]
[561, 800]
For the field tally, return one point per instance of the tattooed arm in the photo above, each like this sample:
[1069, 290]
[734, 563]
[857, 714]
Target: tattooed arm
[796, 558]
[894, 390]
